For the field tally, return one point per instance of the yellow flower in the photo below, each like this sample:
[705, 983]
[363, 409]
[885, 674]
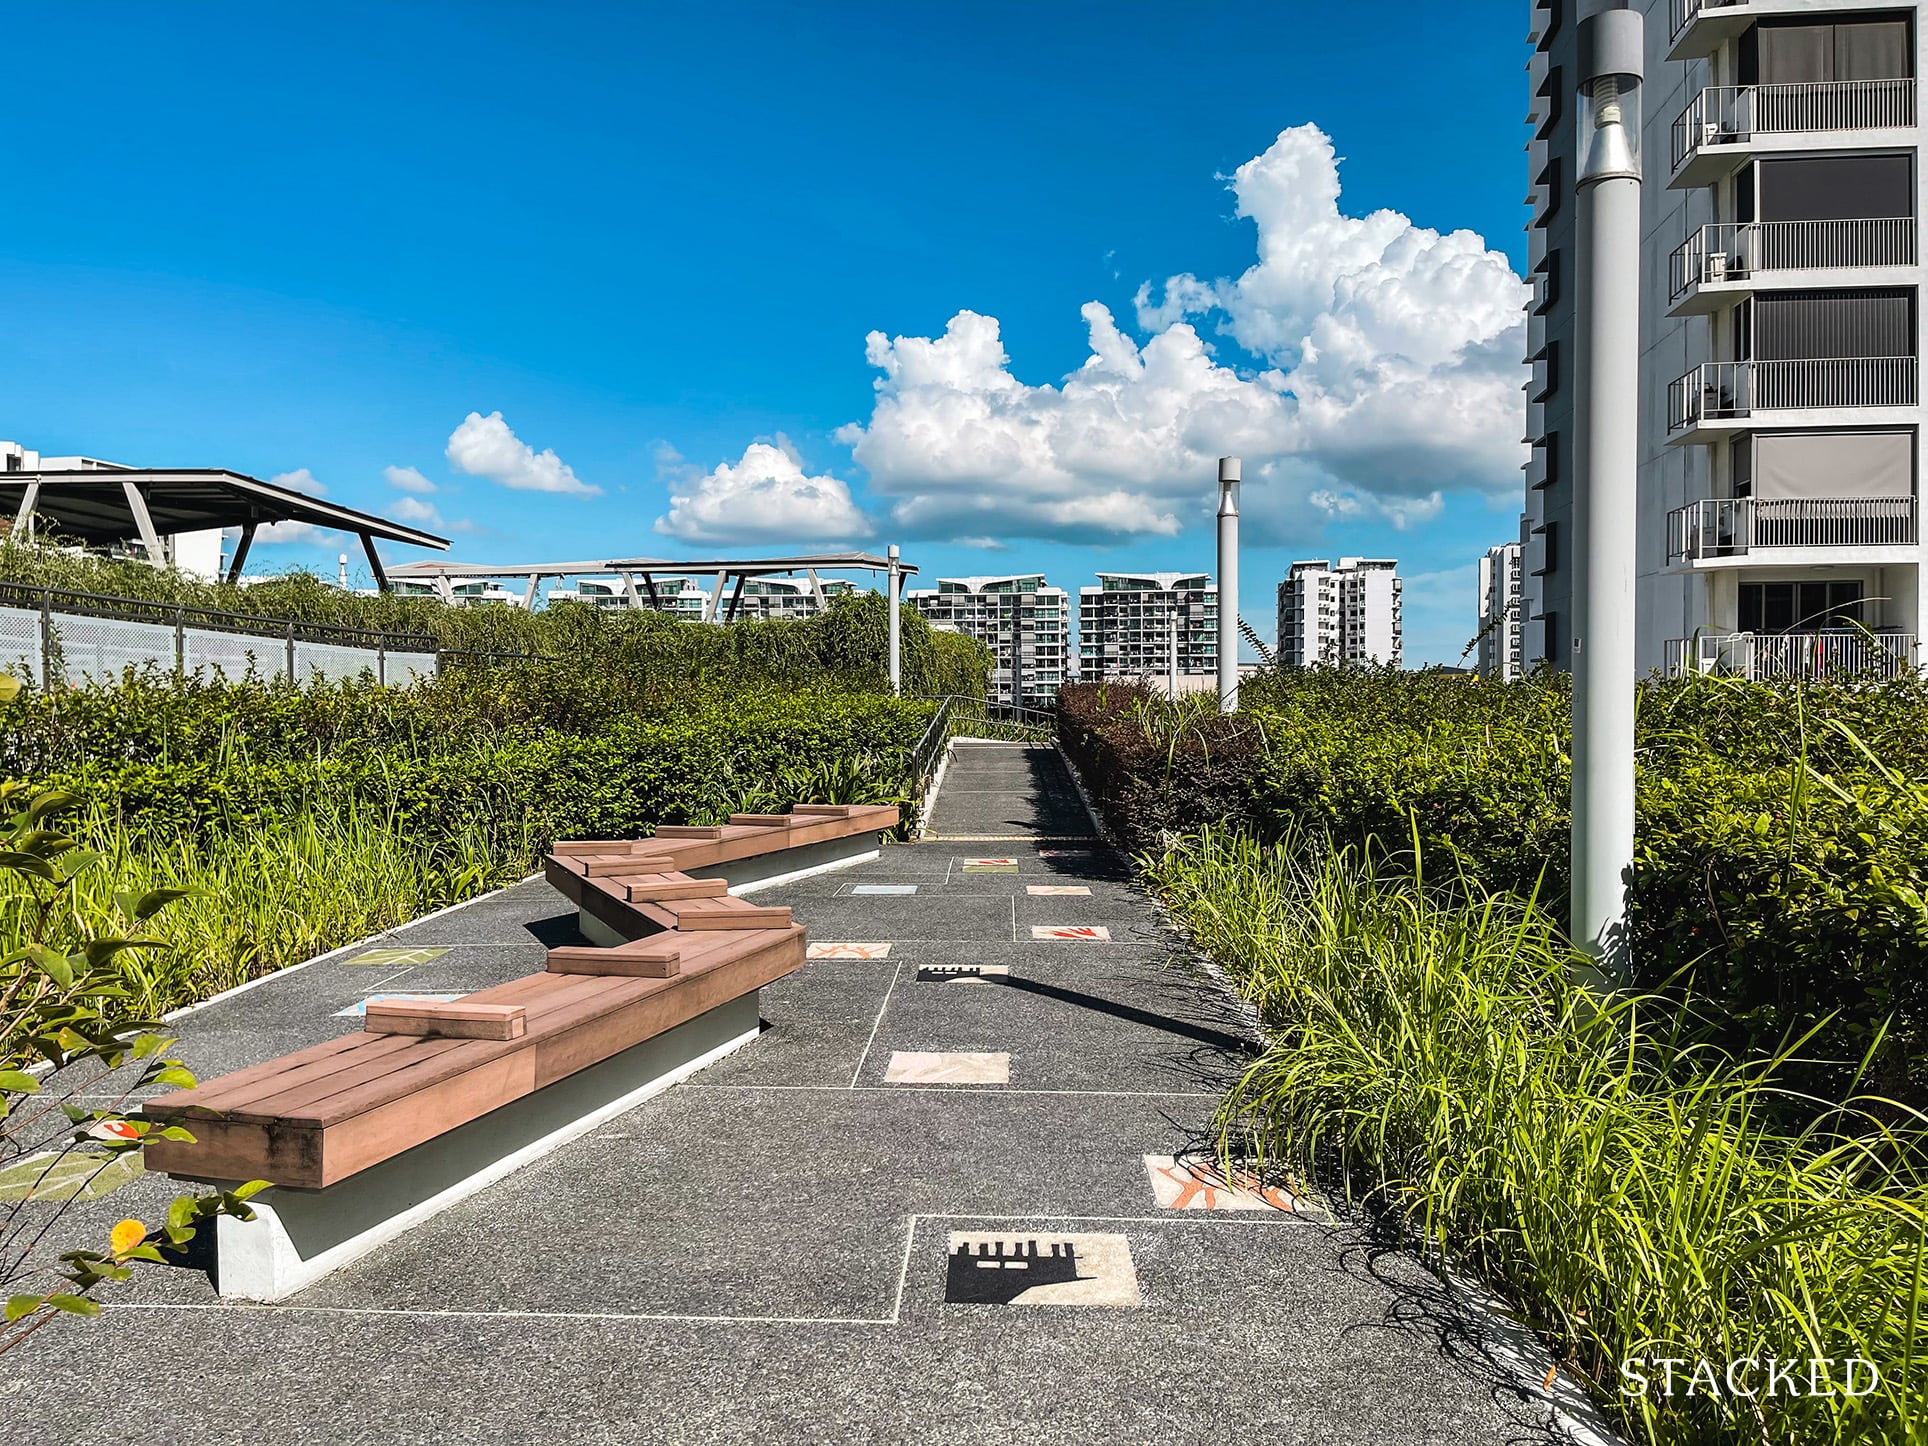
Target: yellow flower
[125, 1236]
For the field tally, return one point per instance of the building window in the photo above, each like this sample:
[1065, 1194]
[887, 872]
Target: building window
[1790, 607]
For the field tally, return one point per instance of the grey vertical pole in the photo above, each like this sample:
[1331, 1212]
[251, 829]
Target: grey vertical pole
[47, 639]
[291, 654]
[180, 641]
[1228, 480]
[1606, 457]
[894, 593]
[1171, 640]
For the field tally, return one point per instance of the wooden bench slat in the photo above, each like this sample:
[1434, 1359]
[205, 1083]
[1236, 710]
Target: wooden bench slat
[314, 1062]
[446, 1019]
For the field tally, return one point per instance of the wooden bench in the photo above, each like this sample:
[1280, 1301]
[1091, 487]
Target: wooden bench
[368, 1134]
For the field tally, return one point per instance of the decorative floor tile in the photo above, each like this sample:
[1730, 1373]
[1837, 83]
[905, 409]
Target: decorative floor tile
[883, 888]
[849, 951]
[990, 864]
[993, 1269]
[396, 958]
[913, 1067]
[1059, 890]
[1070, 931]
[1195, 1184]
[359, 1009]
[990, 868]
[1064, 853]
[960, 973]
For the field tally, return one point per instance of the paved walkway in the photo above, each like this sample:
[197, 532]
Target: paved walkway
[918, 1209]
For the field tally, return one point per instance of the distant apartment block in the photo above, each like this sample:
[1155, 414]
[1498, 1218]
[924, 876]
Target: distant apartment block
[1348, 614]
[1023, 620]
[1150, 625]
[686, 600]
[1780, 407]
[1497, 653]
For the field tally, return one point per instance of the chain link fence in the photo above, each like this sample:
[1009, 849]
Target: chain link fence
[72, 638]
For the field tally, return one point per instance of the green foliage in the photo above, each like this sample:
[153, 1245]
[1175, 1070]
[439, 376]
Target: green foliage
[1627, 1192]
[70, 1022]
[634, 652]
[1783, 829]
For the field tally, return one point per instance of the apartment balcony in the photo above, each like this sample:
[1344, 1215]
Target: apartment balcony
[1717, 399]
[1835, 654]
[1701, 27]
[1726, 125]
[1730, 261]
[1734, 531]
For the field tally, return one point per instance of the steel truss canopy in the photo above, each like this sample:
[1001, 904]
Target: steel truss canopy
[645, 570]
[102, 505]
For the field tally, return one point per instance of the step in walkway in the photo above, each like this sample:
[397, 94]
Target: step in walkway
[943, 1198]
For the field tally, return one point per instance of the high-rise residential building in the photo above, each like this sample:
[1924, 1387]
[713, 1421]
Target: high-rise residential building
[1023, 620]
[1344, 615]
[1497, 650]
[1778, 507]
[1150, 625]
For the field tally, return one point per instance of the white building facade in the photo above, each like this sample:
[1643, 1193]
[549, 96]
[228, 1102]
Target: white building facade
[1497, 653]
[1779, 528]
[1348, 614]
[1156, 627]
[1022, 619]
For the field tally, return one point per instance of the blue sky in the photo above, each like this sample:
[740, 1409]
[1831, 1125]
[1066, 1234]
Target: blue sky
[312, 241]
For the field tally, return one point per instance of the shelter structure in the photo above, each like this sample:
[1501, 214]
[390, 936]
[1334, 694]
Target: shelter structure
[103, 504]
[641, 576]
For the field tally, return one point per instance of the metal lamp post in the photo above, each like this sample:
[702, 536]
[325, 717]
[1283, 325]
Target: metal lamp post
[1228, 480]
[1606, 457]
[894, 627]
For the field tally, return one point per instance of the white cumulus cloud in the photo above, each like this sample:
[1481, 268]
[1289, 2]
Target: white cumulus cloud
[1383, 371]
[485, 447]
[765, 497]
[407, 479]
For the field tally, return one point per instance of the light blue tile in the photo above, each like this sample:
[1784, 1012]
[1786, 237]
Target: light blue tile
[883, 888]
[360, 1008]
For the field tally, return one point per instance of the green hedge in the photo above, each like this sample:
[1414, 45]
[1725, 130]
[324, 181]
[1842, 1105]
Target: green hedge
[1782, 844]
[846, 642]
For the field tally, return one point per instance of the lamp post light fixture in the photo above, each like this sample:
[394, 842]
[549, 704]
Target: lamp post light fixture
[1229, 469]
[1605, 495]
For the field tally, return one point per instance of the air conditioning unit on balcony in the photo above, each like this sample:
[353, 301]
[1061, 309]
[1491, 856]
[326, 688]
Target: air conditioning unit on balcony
[1715, 270]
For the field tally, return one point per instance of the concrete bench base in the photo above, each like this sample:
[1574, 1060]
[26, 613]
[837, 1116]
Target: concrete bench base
[760, 871]
[298, 1236]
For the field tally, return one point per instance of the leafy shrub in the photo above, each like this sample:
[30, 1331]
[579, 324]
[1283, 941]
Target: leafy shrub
[1782, 848]
[1628, 1195]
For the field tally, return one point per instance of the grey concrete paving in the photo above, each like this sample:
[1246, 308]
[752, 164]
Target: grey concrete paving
[762, 1253]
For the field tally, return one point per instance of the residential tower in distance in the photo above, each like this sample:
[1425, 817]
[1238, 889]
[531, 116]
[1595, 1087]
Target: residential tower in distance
[1780, 406]
[1023, 620]
[1344, 615]
[1161, 627]
[1497, 651]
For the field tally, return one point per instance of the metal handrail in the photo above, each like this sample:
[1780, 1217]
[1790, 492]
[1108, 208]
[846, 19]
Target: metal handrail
[1723, 115]
[1734, 526]
[1848, 652]
[1686, 12]
[143, 610]
[1719, 390]
[1733, 250]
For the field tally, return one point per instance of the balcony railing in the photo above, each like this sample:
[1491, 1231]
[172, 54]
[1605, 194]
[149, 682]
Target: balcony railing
[1723, 390]
[1733, 251]
[1734, 526]
[1847, 653]
[1725, 115]
[1686, 12]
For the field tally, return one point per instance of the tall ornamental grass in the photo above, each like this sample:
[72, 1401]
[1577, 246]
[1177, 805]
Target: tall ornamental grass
[1621, 1187]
